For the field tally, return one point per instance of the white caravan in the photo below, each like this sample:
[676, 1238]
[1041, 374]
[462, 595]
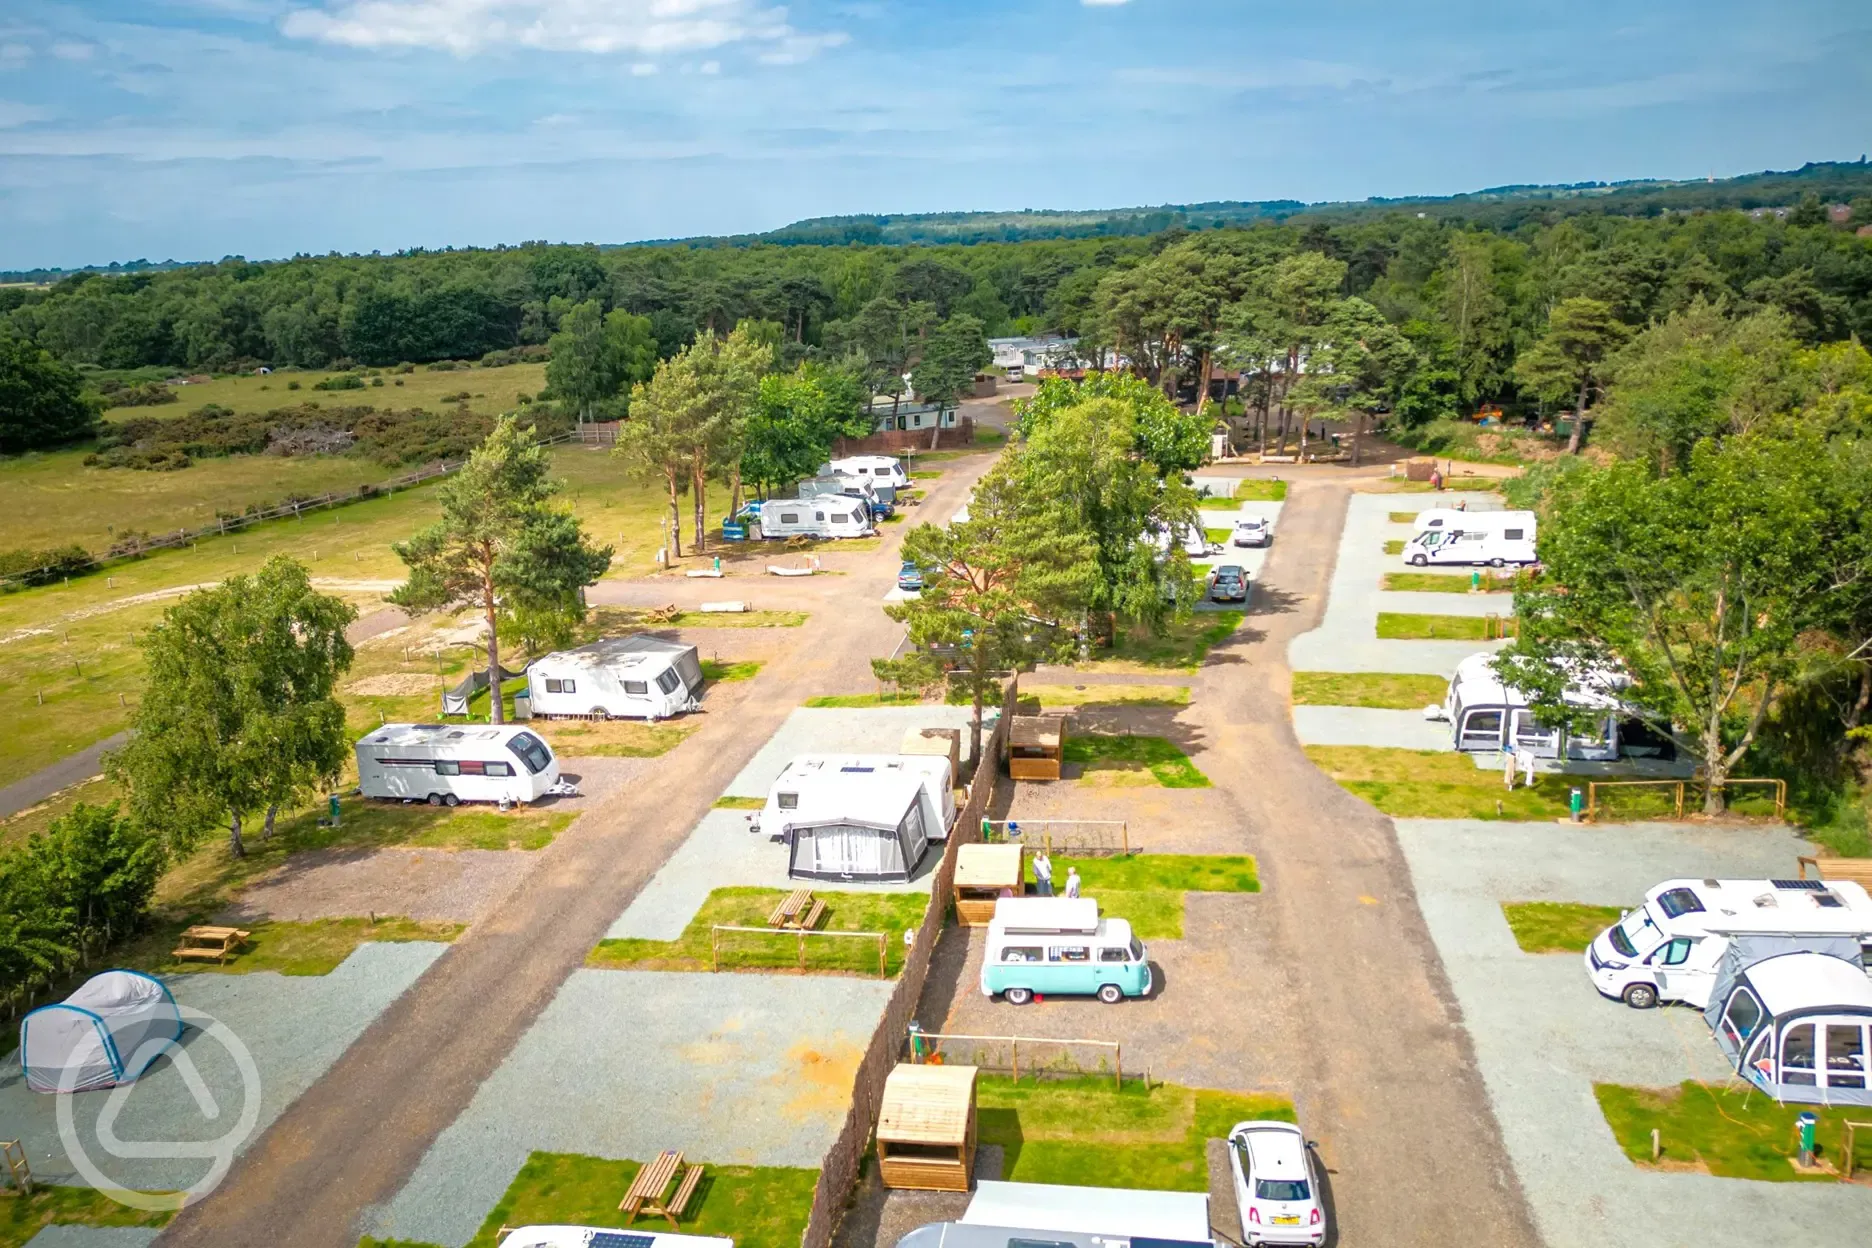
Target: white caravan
[1486, 716]
[1492, 537]
[882, 469]
[829, 515]
[1671, 947]
[447, 764]
[850, 487]
[636, 677]
[815, 787]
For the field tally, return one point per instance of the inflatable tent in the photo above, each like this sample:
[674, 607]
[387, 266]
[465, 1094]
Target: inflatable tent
[106, 1033]
[1794, 1024]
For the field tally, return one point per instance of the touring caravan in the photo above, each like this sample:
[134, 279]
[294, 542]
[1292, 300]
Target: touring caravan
[1492, 537]
[1058, 945]
[635, 677]
[850, 487]
[1673, 946]
[881, 469]
[859, 817]
[1486, 716]
[447, 764]
[830, 515]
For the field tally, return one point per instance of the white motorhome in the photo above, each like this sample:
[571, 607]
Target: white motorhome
[1191, 537]
[1671, 947]
[635, 677]
[1449, 517]
[447, 764]
[829, 515]
[882, 469]
[1492, 537]
[1486, 716]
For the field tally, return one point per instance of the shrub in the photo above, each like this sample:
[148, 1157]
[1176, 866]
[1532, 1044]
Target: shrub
[376, 381]
[461, 397]
[292, 385]
[21, 568]
[446, 366]
[404, 368]
[399, 381]
[535, 353]
[344, 381]
[143, 394]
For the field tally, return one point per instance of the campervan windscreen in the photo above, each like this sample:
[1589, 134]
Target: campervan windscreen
[530, 751]
[1636, 935]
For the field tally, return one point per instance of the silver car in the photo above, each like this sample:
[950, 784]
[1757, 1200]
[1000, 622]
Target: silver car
[1276, 1184]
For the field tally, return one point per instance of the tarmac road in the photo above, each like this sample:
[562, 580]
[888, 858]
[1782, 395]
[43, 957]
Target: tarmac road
[354, 1138]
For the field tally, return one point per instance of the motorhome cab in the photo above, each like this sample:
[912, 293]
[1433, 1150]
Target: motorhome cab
[1058, 946]
[1672, 947]
[1486, 716]
[829, 515]
[881, 469]
[1492, 537]
[447, 764]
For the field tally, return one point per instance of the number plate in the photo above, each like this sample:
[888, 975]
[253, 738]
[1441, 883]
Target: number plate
[1291, 1219]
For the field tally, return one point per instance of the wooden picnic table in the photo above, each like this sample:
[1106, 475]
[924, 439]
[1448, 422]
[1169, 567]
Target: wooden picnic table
[646, 1190]
[206, 942]
[794, 910]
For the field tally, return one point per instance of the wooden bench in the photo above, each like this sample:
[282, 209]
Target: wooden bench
[813, 916]
[210, 943]
[787, 913]
[678, 1204]
[646, 1190]
[1856, 870]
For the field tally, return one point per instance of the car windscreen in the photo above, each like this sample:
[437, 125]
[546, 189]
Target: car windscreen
[529, 750]
[1620, 941]
[1641, 930]
[1282, 1189]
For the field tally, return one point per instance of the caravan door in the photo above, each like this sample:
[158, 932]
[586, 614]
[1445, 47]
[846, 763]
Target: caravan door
[1481, 729]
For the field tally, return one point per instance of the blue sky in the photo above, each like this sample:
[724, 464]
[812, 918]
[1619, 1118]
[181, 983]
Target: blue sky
[199, 128]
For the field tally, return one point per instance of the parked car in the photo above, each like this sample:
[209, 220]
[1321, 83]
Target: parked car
[910, 578]
[1253, 531]
[1229, 583]
[1276, 1184]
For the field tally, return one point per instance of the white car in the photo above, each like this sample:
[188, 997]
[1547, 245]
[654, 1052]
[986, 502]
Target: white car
[1253, 531]
[1276, 1184]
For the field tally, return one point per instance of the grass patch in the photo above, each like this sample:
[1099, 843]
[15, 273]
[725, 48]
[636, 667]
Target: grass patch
[756, 1206]
[848, 700]
[1434, 784]
[1403, 517]
[309, 948]
[928, 474]
[1843, 828]
[1731, 1132]
[15, 828]
[1392, 691]
[1052, 696]
[739, 803]
[1169, 765]
[728, 673]
[23, 1217]
[1182, 647]
[890, 913]
[1148, 889]
[1084, 1131]
[1216, 537]
[1557, 926]
[1444, 583]
[1257, 490]
[1394, 547]
[617, 738]
[1405, 626]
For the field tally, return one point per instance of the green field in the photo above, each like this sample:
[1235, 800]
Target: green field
[1052, 697]
[889, 913]
[22, 1217]
[1137, 756]
[1148, 890]
[1445, 583]
[1404, 626]
[1254, 489]
[1183, 646]
[1733, 1132]
[490, 390]
[1396, 691]
[1424, 784]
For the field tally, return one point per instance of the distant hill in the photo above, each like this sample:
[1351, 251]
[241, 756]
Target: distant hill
[1831, 182]
[1499, 207]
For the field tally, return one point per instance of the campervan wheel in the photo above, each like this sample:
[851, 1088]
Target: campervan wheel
[1018, 996]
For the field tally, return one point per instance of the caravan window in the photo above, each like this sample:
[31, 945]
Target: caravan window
[636, 689]
[1115, 954]
[1744, 1013]
[1514, 535]
[561, 686]
[447, 767]
[1679, 901]
[789, 517]
[499, 769]
[472, 767]
[818, 515]
[789, 801]
[1482, 728]
[667, 681]
[531, 751]
[1676, 953]
[1797, 1055]
[1845, 1055]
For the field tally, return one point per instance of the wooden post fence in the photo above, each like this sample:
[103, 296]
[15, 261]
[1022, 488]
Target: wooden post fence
[931, 1040]
[883, 942]
[1679, 789]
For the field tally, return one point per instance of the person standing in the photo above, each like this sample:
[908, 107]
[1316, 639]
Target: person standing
[1043, 874]
[1072, 881]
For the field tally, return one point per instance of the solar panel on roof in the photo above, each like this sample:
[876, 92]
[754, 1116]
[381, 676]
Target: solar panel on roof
[1800, 886]
[620, 1239]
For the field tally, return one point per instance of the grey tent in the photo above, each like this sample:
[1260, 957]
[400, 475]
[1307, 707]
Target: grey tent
[1794, 1019]
[104, 1034]
[871, 829]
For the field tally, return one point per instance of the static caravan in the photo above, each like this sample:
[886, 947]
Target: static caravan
[447, 764]
[635, 677]
[863, 818]
[1039, 946]
[1486, 716]
[830, 515]
[881, 469]
[1496, 538]
[1675, 946]
[1796, 1027]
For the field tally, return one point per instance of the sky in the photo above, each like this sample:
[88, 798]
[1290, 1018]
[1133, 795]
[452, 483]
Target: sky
[194, 129]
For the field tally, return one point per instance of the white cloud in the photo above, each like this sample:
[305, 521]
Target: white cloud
[13, 113]
[711, 67]
[69, 50]
[643, 69]
[644, 27]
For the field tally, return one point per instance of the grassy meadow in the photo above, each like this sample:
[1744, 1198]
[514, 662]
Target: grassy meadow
[490, 390]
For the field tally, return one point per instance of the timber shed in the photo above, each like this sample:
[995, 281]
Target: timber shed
[1036, 747]
[983, 875]
[926, 1128]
